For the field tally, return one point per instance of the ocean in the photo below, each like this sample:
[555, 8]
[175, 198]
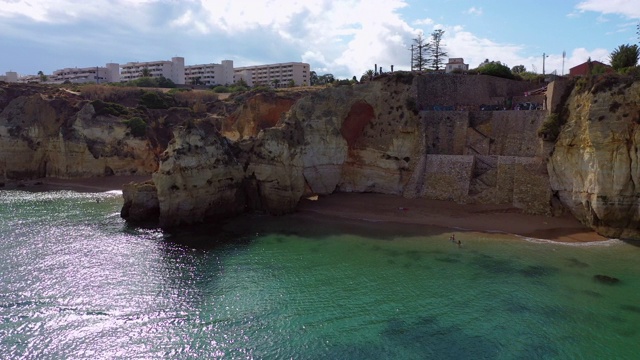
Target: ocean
[77, 282]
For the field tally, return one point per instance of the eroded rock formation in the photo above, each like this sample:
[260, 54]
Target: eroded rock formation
[595, 166]
[365, 138]
[57, 134]
[400, 134]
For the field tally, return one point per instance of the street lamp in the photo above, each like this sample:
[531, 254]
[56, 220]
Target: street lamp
[543, 57]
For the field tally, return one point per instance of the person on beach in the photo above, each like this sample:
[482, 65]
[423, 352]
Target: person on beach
[459, 243]
[452, 238]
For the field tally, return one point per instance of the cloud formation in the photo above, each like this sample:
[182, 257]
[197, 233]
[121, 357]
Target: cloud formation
[344, 37]
[628, 8]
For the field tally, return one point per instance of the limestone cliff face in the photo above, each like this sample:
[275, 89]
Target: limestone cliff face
[343, 138]
[595, 166]
[61, 136]
[199, 177]
[359, 139]
[257, 113]
[365, 138]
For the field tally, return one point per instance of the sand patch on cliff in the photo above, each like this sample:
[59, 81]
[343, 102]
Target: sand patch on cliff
[458, 217]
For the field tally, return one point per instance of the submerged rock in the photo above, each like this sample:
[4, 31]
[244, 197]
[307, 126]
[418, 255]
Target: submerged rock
[605, 279]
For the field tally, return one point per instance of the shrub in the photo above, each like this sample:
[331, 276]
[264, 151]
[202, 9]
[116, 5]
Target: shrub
[137, 126]
[550, 128]
[342, 82]
[496, 69]
[404, 77]
[221, 89]
[108, 108]
[190, 98]
[154, 100]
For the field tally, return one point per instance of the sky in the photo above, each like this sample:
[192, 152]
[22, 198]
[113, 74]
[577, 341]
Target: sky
[340, 37]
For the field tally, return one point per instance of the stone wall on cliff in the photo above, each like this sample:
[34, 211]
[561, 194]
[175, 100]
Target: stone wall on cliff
[595, 165]
[461, 91]
[483, 157]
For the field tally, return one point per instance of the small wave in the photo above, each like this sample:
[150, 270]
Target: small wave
[115, 192]
[609, 242]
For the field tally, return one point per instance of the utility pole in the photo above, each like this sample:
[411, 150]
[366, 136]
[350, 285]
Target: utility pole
[543, 58]
[563, 55]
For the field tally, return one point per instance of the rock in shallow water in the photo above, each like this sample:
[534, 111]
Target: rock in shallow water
[605, 279]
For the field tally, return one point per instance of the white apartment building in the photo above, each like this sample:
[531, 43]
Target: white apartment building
[173, 70]
[275, 75]
[210, 74]
[244, 75]
[98, 75]
[456, 64]
[9, 76]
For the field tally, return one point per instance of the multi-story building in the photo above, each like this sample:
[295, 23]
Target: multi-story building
[456, 64]
[244, 75]
[173, 70]
[276, 75]
[210, 74]
[10, 76]
[98, 75]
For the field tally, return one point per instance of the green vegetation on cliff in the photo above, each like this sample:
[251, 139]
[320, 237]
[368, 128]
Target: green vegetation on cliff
[550, 128]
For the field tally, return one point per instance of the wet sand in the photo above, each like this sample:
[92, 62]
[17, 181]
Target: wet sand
[389, 208]
[478, 218]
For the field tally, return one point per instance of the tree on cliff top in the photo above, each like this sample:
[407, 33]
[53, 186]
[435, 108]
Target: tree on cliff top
[518, 69]
[43, 77]
[495, 68]
[437, 53]
[625, 56]
[419, 54]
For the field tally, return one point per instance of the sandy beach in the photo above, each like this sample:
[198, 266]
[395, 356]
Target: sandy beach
[477, 218]
[389, 208]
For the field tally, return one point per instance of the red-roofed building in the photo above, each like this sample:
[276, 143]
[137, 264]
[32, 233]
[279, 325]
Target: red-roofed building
[586, 67]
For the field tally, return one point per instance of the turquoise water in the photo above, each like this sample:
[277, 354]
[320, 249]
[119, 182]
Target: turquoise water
[77, 283]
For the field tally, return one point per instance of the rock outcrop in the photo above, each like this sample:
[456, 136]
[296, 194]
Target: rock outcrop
[595, 166]
[403, 134]
[365, 138]
[58, 134]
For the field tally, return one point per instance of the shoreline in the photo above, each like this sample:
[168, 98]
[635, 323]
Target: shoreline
[483, 218]
[94, 184]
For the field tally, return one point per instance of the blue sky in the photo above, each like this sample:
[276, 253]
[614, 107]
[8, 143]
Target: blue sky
[344, 37]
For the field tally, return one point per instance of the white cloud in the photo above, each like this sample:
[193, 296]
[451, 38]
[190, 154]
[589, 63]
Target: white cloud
[474, 11]
[629, 8]
[344, 37]
[426, 21]
[461, 43]
[64, 11]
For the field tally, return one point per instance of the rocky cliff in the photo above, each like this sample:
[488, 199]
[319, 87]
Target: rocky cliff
[365, 138]
[595, 165]
[398, 134]
[48, 132]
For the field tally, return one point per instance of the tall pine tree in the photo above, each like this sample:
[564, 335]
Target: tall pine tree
[436, 50]
[420, 54]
